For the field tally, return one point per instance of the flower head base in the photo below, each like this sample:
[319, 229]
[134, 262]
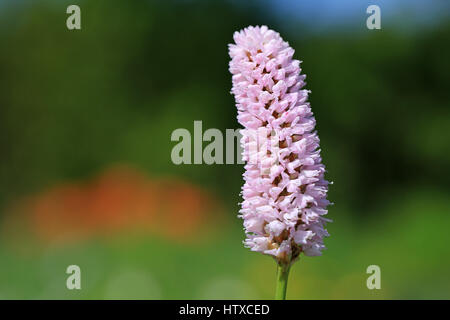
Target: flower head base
[285, 190]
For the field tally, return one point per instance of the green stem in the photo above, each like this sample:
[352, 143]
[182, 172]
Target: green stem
[282, 280]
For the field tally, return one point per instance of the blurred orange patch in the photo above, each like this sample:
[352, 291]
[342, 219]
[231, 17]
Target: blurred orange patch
[119, 199]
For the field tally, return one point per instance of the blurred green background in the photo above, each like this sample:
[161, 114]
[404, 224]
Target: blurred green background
[86, 176]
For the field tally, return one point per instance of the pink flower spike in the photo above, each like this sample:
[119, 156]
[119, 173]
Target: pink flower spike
[284, 194]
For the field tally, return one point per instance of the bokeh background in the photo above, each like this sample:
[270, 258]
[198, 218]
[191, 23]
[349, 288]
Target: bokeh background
[86, 176]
